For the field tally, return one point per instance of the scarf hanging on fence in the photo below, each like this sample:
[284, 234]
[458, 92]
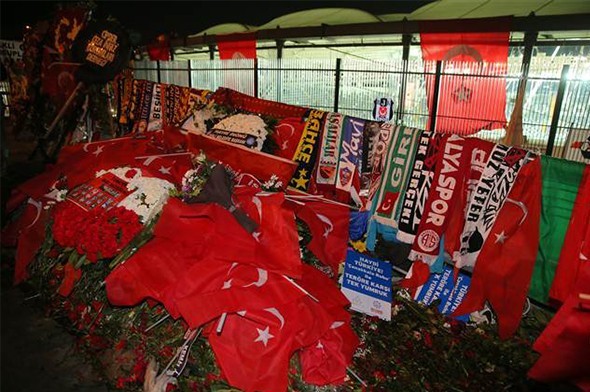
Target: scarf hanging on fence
[400, 155]
[410, 207]
[442, 199]
[487, 200]
[383, 141]
[561, 181]
[145, 105]
[350, 161]
[307, 150]
[329, 154]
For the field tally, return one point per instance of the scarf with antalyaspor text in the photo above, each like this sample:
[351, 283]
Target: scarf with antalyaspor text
[486, 201]
[440, 205]
[409, 209]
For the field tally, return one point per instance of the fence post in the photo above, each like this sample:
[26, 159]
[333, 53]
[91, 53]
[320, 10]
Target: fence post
[211, 51]
[337, 84]
[434, 107]
[406, 41]
[158, 69]
[190, 73]
[557, 109]
[256, 77]
[280, 45]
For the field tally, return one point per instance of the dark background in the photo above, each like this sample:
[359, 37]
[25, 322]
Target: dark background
[181, 18]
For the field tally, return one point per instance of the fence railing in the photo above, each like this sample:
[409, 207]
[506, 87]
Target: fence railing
[556, 106]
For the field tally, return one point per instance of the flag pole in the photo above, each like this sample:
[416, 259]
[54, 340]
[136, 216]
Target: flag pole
[349, 370]
[300, 288]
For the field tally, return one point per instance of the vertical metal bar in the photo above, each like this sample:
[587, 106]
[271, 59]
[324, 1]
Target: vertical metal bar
[212, 52]
[406, 41]
[337, 84]
[557, 109]
[435, 94]
[158, 68]
[280, 45]
[256, 77]
[190, 73]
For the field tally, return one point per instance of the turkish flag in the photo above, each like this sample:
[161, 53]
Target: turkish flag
[573, 254]
[169, 167]
[159, 49]
[30, 240]
[80, 162]
[565, 343]
[287, 134]
[254, 347]
[326, 361]
[505, 265]
[328, 223]
[212, 287]
[243, 160]
[237, 46]
[474, 96]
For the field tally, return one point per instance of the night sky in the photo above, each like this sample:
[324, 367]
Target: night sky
[181, 18]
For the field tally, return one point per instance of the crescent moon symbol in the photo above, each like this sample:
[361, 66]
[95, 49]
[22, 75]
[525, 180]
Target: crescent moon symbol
[277, 314]
[262, 278]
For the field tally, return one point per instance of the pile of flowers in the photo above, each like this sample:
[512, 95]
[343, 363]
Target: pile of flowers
[247, 124]
[94, 234]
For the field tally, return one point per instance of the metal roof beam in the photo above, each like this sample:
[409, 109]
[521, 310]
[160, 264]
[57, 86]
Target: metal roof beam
[527, 23]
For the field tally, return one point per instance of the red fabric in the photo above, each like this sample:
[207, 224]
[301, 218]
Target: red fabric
[326, 361]
[261, 165]
[71, 276]
[505, 265]
[237, 46]
[30, 240]
[59, 81]
[276, 238]
[467, 104]
[159, 49]
[213, 287]
[167, 167]
[328, 225]
[287, 134]
[80, 162]
[565, 343]
[248, 363]
[417, 275]
[237, 100]
[577, 236]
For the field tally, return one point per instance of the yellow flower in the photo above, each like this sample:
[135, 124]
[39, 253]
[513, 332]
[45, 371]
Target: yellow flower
[359, 246]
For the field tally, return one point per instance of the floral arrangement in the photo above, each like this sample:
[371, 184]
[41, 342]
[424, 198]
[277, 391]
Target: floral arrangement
[149, 194]
[94, 234]
[194, 179]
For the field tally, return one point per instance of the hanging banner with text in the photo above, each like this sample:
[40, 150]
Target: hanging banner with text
[440, 286]
[367, 285]
[10, 51]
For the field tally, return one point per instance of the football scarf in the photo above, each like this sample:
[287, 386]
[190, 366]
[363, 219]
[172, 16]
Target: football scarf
[383, 140]
[145, 104]
[396, 166]
[477, 152]
[486, 201]
[349, 163]
[155, 116]
[137, 93]
[306, 152]
[576, 245]
[561, 181]
[329, 153]
[409, 210]
[440, 205]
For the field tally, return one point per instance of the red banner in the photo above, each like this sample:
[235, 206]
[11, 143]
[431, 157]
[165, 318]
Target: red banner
[472, 91]
[237, 46]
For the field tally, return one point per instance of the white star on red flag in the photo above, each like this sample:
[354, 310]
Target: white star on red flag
[264, 335]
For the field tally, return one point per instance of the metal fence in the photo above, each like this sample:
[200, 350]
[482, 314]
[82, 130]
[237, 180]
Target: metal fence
[556, 111]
